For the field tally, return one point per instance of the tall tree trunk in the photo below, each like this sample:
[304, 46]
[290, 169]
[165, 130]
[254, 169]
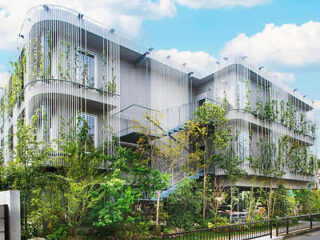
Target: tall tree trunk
[204, 195]
[157, 209]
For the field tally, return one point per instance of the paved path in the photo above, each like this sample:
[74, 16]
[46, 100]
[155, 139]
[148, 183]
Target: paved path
[307, 236]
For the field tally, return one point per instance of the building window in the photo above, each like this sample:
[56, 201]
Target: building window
[86, 68]
[243, 144]
[92, 123]
[201, 102]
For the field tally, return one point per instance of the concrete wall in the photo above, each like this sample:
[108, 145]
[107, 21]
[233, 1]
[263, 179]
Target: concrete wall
[12, 199]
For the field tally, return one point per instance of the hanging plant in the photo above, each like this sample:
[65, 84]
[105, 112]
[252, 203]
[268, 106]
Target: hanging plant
[76, 62]
[313, 128]
[12, 92]
[42, 69]
[49, 43]
[259, 106]
[68, 61]
[312, 161]
[248, 96]
[34, 62]
[104, 65]
[290, 115]
[85, 77]
[265, 161]
[267, 111]
[282, 112]
[60, 61]
[275, 111]
[112, 85]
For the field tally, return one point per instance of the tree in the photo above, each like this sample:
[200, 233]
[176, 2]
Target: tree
[209, 135]
[81, 172]
[155, 154]
[117, 209]
[26, 168]
[184, 205]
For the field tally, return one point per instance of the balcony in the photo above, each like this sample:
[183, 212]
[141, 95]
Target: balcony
[288, 175]
[243, 115]
[64, 88]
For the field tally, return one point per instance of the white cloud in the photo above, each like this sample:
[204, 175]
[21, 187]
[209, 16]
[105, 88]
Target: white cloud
[220, 3]
[206, 64]
[282, 78]
[127, 16]
[4, 79]
[287, 44]
[200, 61]
[316, 105]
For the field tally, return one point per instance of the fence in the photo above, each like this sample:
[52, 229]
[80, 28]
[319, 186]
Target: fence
[251, 230]
[287, 225]
[236, 231]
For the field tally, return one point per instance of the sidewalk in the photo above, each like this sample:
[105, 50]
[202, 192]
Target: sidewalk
[268, 237]
[273, 236]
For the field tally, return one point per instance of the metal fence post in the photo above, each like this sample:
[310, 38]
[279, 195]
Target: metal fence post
[270, 228]
[287, 223]
[311, 221]
[229, 228]
[277, 227]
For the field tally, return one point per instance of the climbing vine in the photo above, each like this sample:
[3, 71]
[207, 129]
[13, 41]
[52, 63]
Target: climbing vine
[112, 85]
[287, 156]
[12, 92]
[248, 96]
[285, 113]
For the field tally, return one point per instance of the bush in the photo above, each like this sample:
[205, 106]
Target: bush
[184, 206]
[285, 204]
[218, 221]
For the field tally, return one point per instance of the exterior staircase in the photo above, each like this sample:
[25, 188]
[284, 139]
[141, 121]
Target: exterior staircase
[174, 187]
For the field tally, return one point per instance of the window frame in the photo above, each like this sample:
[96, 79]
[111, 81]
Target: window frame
[94, 55]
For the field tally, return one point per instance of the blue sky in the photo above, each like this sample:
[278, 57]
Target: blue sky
[282, 35]
[209, 29]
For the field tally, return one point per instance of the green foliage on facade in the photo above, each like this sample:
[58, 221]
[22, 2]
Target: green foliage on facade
[12, 92]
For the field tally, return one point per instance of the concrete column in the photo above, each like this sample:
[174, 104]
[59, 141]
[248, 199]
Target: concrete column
[12, 199]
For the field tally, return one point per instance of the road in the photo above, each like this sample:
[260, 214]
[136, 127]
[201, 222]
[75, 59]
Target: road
[307, 236]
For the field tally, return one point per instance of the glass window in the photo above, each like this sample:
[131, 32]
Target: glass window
[243, 144]
[85, 70]
[91, 120]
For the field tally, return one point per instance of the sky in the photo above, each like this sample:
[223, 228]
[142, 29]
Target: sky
[281, 35]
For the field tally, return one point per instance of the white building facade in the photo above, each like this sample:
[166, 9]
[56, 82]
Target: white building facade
[71, 65]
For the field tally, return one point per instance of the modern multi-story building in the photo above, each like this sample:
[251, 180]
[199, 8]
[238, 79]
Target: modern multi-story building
[72, 65]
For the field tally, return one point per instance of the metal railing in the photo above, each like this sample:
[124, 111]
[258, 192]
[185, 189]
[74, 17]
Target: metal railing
[285, 226]
[241, 231]
[252, 230]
